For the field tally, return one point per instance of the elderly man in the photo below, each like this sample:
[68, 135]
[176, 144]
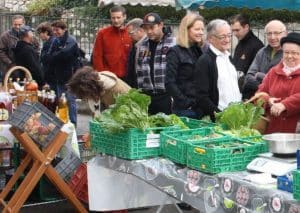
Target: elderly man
[266, 57]
[216, 76]
[8, 41]
[137, 33]
[248, 44]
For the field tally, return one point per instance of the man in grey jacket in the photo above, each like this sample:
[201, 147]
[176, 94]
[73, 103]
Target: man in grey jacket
[8, 41]
[265, 58]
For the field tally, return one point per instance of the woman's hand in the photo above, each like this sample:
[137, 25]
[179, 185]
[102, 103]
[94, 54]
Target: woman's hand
[277, 109]
[272, 101]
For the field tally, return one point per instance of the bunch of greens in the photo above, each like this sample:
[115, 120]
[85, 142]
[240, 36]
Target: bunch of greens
[238, 118]
[163, 120]
[131, 111]
[238, 115]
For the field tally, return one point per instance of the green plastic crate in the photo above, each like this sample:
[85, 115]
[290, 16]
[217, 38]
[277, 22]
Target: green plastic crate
[132, 144]
[174, 143]
[195, 124]
[215, 160]
[296, 184]
[258, 140]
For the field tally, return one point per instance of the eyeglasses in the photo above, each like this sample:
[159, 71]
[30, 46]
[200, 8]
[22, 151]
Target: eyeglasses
[223, 37]
[292, 53]
[269, 34]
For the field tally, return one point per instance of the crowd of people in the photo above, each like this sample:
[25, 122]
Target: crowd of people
[192, 75]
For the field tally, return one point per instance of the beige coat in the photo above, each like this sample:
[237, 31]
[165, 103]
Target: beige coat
[113, 86]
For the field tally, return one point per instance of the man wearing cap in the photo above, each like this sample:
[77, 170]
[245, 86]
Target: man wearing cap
[8, 41]
[151, 63]
[112, 45]
[280, 88]
[266, 58]
[26, 55]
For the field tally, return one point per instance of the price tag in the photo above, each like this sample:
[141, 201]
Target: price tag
[153, 140]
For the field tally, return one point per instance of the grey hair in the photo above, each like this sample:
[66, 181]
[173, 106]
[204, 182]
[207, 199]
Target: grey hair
[214, 25]
[135, 23]
[18, 17]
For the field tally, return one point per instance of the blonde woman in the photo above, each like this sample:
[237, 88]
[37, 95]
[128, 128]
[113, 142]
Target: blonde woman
[181, 59]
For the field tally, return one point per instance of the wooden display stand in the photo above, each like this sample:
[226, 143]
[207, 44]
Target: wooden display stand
[41, 164]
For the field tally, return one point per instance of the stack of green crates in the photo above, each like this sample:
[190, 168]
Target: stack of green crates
[296, 184]
[131, 144]
[221, 155]
[174, 143]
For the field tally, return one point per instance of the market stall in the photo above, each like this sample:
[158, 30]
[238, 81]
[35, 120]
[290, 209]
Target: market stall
[224, 192]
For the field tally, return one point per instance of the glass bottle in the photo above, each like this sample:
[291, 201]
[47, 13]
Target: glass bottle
[63, 109]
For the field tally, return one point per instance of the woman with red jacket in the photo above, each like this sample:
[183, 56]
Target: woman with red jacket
[282, 87]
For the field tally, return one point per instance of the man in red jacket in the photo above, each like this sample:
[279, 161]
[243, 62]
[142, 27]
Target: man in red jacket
[113, 44]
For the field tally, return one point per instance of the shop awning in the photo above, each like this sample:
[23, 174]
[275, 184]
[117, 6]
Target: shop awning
[194, 4]
[136, 2]
[263, 4]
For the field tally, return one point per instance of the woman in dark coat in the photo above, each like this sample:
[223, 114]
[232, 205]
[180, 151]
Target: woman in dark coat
[181, 61]
[27, 56]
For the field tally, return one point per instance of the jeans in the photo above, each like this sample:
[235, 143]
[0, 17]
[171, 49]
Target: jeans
[59, 89]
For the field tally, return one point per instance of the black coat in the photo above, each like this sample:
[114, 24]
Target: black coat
[26, 56]
[44, 52]
[246, 51]
[180, 75]
[63, 60]
[207, 84]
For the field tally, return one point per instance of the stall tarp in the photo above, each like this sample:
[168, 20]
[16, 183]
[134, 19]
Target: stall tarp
[194, 4]
[136, 2]
[263, 4]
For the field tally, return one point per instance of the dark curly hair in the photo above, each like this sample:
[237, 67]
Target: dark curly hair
[85, 84]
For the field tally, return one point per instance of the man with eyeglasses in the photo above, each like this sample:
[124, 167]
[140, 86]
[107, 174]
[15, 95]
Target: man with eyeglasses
[266, 57]
[248, 44]
[137, 33]
[216, 76]
[112, 44]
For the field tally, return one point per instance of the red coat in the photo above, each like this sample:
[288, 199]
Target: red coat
[278, 85]
[111, 50]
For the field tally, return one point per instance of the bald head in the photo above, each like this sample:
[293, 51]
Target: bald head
[275, 24]
[275, 30]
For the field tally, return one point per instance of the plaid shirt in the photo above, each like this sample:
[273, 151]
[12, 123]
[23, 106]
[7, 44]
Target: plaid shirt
[144, 81]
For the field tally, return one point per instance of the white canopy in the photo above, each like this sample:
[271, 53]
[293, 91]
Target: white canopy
[141, 2]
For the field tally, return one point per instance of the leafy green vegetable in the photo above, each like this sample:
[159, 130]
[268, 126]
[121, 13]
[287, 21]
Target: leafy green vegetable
[163, 120]
[238, 115]
[131, 111]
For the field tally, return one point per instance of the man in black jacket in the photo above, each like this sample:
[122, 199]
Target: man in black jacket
[27, 56]
[248, 44]
[216, 76]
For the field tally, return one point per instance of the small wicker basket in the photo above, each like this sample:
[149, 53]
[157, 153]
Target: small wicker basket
[30, 96]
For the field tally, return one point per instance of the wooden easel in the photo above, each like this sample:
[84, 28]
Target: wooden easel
[41, 164]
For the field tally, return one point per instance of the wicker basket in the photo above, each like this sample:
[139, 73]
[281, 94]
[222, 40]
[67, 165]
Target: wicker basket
[30, 96]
